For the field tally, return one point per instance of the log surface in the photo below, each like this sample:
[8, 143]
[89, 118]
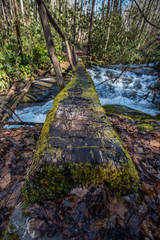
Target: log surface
[77, 131]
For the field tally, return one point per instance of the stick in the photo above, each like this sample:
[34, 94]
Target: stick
[20, 97]
[10, 94]
[145, 18]
[20, 123]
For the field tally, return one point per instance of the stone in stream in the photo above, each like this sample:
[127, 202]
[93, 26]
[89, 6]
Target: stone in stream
[24, 227]
[77, 145]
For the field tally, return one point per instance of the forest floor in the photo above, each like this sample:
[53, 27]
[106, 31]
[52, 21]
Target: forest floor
[91, 212]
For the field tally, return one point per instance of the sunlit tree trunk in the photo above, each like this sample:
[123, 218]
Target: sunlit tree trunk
[22, 9]
[63, 36]
[90, 28]
[4, 10]
[50, 44]
[17, 26]
[11, 9]
[75, 9]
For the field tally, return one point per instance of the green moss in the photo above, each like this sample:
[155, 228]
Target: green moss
[54, 181]
[12, 236]
[148, 127]
[9, 233]
[129, 112]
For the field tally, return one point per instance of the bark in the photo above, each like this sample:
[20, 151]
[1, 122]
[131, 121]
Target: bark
[49, 42]
[74, 54]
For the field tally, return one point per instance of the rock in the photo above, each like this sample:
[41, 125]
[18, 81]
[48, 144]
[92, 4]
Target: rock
[35, 226]
[80, 192]
[22, 227]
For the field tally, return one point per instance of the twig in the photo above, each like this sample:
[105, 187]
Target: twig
[19, 98]
[5, 110]
[20, 123]
[14, 113]
[152, 24]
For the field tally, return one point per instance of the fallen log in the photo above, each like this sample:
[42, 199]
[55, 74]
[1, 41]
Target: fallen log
[10, 94]
[77, 145]
[19, 98]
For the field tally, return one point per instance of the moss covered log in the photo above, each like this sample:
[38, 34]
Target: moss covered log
[77, 146]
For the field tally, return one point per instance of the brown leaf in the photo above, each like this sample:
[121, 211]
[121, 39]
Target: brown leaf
[155, 143]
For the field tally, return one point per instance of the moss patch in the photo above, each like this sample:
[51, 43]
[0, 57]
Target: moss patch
[129, 112]
[148, 127]
[54, 181]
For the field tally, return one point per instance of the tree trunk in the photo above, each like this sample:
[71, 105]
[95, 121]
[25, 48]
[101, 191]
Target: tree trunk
[11, 10]
[5, 11]
[74, 54]
[90, 28]
[75, 9]
[56, 27]
[18, 32]
[50, 44]
[22, 9]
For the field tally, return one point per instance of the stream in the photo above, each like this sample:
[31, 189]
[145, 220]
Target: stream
[128, 90]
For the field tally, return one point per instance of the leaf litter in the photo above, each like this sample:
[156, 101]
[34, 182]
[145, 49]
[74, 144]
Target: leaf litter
[88, 212]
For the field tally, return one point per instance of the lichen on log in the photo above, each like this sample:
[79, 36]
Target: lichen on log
[77, 145]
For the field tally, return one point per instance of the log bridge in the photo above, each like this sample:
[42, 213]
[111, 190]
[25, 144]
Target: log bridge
[77, 145]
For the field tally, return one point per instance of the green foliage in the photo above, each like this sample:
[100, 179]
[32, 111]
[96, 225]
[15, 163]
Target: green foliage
[34, 53]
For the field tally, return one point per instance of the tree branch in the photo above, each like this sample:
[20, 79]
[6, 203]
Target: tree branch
[141, 12]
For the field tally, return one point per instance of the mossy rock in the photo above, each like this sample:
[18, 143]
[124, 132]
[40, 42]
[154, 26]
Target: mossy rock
[129, 112]
[77, 145]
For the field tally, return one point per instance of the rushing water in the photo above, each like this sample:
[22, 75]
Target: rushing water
[128, 90]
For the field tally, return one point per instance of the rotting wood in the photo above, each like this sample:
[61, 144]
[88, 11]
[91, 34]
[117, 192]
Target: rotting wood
[78, 146]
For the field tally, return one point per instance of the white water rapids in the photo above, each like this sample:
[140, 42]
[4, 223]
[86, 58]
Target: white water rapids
[129, 90]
